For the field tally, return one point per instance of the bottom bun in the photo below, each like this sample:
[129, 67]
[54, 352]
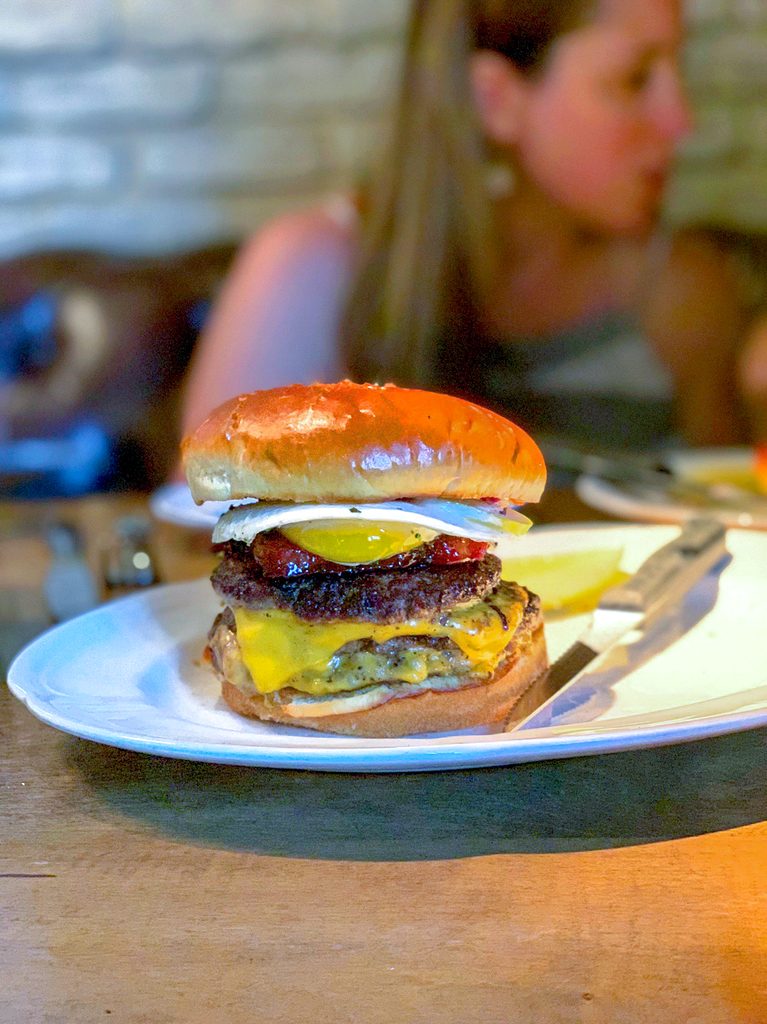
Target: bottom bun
[427, 711]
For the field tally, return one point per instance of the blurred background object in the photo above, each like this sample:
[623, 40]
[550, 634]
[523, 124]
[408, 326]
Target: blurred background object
[140, 142]
[128, 562]
[92, 352]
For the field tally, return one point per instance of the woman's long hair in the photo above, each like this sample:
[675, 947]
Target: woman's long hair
[429, 256]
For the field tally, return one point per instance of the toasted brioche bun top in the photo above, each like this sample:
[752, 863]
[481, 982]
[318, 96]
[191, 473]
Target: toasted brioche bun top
[359, 442]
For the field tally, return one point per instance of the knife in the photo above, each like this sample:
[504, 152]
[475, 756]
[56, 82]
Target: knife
[662, 580]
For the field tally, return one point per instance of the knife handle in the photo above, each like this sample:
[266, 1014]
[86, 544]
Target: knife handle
[668, 573]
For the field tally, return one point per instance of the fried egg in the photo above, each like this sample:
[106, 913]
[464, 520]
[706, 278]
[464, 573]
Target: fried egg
[356, 533]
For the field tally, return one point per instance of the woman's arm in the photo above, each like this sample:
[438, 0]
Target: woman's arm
[697, 320]
[752, 376]
[276, 319]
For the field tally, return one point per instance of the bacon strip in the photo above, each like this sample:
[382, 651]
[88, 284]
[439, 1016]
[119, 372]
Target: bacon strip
[278, 557]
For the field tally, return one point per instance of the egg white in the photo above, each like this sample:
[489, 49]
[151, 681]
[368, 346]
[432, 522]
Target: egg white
[475, 520]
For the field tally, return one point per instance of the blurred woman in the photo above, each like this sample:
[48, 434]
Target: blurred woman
[509, 249]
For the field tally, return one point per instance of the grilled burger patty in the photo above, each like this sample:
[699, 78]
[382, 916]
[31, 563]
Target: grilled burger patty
[373, 663]
[382, 596]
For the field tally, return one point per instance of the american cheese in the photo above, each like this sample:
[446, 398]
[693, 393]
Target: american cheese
[280, 649]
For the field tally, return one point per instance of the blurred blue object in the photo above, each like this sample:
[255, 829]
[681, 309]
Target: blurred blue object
[93, 353]
[27, 336]
[76, 459]
[43, 467]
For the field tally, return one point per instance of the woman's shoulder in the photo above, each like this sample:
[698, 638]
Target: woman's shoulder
[697, 299]
[700, 255]
[679, 260]
[324, 232]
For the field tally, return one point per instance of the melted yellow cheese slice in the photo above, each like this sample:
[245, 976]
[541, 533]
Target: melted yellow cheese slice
[278, 648]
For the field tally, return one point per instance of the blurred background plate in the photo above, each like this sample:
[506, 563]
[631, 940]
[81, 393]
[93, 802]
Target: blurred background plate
[173, 503]
[727, 466]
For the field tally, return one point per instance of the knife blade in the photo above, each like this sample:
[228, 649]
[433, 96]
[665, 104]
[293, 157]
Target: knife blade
[661, 580]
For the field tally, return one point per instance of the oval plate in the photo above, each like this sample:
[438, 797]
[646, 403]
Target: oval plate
[128, 674]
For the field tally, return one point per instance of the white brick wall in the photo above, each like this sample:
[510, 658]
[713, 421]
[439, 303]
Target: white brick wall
[222, 24]
[121, 92]
[229, 157]
[353, 18]
[722, 174]
[307, 78]
[155, 125]
[38, 28]
[728, 61]
[47, 165]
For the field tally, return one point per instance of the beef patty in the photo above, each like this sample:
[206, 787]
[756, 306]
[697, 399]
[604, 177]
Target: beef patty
[394, 595]
[363, 662]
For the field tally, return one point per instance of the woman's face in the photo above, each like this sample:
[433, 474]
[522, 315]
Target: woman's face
[598, 127]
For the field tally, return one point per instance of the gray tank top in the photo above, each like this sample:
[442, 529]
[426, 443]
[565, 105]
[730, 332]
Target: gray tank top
[598, 383]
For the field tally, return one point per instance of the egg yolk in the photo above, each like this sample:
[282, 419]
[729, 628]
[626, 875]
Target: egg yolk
[351, 543]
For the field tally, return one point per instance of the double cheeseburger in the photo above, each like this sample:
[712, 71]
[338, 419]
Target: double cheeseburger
[362, 588]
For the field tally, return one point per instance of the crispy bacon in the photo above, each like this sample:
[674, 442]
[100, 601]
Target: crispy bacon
[278, 557]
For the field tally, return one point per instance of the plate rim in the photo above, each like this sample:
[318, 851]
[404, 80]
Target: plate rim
[425, 755]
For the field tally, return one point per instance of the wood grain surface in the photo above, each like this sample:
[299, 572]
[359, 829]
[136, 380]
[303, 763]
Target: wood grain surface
[618, 888]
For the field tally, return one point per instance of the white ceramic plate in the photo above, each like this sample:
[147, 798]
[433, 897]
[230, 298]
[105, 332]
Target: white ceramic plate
[127, 674]
[173, 503]
[621, 501]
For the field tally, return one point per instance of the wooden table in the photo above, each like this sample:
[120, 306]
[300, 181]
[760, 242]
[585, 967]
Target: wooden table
[619, 888]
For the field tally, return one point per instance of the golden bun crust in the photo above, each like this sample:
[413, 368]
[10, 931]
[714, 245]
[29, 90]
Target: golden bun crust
[429, 711]
[350, 442]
